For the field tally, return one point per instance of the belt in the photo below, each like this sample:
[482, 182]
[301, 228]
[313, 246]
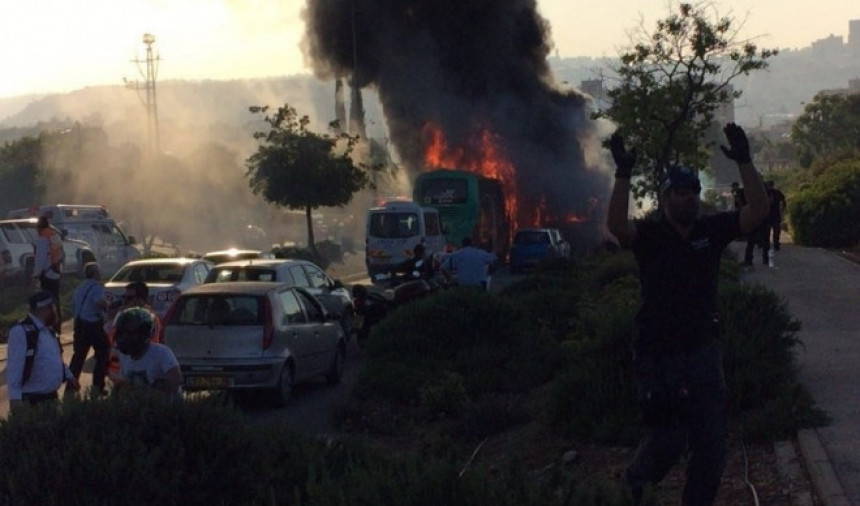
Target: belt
[38, 398]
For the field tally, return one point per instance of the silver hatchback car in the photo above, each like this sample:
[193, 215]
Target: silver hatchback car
[253, 336]
[299, 273]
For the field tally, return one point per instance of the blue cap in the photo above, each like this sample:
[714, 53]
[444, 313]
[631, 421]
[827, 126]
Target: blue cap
[680, 178]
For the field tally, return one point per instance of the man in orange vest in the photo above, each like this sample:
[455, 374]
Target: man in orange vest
[48, 264]
[136, 295]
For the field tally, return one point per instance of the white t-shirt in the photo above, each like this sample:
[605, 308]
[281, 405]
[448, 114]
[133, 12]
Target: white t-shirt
[153, 365]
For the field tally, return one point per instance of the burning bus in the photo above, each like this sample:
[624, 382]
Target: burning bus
[469, 205]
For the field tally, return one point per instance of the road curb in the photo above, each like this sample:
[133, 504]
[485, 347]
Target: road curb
[820, 469]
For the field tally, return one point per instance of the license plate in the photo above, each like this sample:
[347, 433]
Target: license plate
[207, 382]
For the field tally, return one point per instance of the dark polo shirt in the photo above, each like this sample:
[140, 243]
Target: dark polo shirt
[678, 279]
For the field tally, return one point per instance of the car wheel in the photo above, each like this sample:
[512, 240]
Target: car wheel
[284, 390]
[335, 374]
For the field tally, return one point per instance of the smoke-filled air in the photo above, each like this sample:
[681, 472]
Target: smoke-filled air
[465, 84]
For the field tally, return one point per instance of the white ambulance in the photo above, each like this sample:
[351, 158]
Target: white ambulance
[393, 230]
[91, 224]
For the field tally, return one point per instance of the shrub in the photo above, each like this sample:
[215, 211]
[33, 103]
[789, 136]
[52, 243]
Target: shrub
[477, 335]
[141, 449]
[826, 212]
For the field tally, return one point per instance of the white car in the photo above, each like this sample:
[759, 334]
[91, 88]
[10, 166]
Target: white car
[300, 273]
[17, 243]
[253, 336]
[166, 278]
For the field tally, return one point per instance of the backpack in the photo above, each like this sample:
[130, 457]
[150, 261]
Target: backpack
[32, 333]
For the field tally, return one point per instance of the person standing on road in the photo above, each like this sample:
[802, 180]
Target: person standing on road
[677, 361]
[141, 361]
[34, 365]
[89, 305]
[136, 294]
[777, 211]
[48, 264]
[470, 264]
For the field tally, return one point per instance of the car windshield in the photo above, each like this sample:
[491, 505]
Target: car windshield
[531, 237]
[219, 309]
[152, 273]
[224, 274]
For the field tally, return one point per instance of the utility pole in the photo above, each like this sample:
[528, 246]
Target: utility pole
[148, 70]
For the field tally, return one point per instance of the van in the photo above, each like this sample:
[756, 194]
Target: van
[91, 224]
[394, 229]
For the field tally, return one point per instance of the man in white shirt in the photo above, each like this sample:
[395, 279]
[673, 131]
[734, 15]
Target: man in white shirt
[34, 372]
[470, 264]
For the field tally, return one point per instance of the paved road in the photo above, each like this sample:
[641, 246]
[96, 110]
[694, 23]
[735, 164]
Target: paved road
[822, 290]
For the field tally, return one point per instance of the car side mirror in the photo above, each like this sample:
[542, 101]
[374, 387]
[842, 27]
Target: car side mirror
[336, 283]
[131, 240]
[63, 234]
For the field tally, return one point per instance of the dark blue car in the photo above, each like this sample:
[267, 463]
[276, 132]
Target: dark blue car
[532, 246]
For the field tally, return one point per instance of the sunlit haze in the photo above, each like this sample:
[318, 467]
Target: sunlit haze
[57, 46]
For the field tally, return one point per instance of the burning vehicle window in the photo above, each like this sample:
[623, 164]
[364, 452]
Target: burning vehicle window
[394, 225]
[431, 224]
[443, 191]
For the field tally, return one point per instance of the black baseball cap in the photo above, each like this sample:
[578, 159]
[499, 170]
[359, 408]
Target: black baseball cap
[40, 299]
[680, 178]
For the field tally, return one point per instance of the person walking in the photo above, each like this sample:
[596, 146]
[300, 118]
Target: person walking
[89, 306]
[777, 211]
[677, 360]
[141, 361]
[470, 264]
[48, 264]
[34, 365]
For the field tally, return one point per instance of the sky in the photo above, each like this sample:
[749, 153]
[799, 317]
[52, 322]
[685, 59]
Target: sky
[49, 46]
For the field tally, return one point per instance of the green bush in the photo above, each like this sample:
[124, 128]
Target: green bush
[479, 336]
[142, 449]
[593, 397]
[826, 212]
[759, 340]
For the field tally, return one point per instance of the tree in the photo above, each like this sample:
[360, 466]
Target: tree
[302, 170]
[22, 181]
[671, 82]
[828, 127]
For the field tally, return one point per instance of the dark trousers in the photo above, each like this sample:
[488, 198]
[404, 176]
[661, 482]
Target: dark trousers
[684, 403]
[90, 334]
[775, 230]
[52, 286]
[758, 237]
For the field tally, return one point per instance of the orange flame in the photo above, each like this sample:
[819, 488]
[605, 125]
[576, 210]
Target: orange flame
[484, 157]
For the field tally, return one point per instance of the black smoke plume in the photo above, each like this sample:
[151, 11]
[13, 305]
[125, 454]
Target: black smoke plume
[466, 66]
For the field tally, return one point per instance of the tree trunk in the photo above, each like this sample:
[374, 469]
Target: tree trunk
[311, 242]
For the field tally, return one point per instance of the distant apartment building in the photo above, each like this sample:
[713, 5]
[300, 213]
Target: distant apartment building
[594, 88]
[854, 35]
[833, 44]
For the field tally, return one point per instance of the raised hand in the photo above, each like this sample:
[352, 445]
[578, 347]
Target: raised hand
[624, 160]
[739, 146]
